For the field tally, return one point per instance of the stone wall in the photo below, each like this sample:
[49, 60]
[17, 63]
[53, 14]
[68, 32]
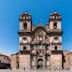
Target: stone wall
[13, 62]
[24, 61]
[56, 60]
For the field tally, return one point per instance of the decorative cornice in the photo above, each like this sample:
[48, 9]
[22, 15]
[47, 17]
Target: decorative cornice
[56, 51]
[59, 43]
[25, 52]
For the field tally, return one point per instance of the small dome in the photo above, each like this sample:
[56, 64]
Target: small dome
[55, 13]
[25, 14]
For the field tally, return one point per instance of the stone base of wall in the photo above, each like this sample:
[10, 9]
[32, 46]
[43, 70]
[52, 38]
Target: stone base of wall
[31, 70]
[24, 61]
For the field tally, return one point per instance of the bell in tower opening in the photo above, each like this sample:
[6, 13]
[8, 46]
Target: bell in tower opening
[25, 25]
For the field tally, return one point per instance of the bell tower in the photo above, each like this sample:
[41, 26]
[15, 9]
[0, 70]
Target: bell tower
[26, 22]
[55, 31]
[25, 40]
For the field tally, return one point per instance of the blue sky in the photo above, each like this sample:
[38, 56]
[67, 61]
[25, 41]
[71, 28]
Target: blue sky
[10, 10]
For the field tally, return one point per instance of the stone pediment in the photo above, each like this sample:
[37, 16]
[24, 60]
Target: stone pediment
[40, 35]
[38, 29]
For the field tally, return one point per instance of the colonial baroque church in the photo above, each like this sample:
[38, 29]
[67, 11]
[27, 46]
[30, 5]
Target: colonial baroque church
[40, 47]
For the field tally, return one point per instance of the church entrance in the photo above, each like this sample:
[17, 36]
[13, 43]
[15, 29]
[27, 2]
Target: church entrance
[40, 63]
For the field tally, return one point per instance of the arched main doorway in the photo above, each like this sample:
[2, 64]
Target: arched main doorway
[40, 63]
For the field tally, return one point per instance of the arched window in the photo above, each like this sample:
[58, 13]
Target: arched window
[55, 25]
[55, 47]
[24, 38]
[24, 48]
[56, 38]
[17, 65]
[25, 25]
[40, 63]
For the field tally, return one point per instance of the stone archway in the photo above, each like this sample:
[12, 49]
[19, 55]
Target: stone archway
[40, 63]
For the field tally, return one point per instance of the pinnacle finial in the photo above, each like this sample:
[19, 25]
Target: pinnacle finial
[40, 22]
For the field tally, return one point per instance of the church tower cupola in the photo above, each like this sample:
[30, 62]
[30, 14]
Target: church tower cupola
[55, 16]
[25, 16]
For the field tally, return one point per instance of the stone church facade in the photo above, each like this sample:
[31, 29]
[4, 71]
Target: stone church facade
[40, 47]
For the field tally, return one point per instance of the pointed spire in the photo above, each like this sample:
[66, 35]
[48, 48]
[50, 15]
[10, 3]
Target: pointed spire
[40, 23]
[25, 12]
